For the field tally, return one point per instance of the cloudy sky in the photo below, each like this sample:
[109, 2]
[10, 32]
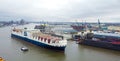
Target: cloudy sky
[60, 10]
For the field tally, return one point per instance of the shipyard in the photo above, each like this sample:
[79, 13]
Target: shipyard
[59, 30]
[36, 48]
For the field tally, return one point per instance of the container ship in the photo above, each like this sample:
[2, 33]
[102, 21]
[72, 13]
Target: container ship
[35, 36]
[103, 40]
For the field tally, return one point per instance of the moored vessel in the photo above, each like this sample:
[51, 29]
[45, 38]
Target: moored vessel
[103, 40]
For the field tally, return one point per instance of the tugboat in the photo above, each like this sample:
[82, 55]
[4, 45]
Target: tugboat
[35, 36]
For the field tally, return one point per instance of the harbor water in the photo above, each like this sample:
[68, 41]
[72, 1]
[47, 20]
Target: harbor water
[10, 50]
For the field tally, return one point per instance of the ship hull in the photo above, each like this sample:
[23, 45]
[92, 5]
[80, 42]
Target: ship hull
[60, 48]
[101, 44]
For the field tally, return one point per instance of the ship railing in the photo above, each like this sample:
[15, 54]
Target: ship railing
[50, 40]
[58, 43]
[53, 42]
[17, 31]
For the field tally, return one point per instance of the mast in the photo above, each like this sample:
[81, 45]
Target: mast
[77, 25]
[86, 28]
[99, 24]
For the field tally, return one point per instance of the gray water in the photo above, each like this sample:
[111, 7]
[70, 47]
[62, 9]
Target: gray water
[10, 51]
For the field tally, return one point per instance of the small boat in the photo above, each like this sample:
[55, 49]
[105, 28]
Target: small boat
[24, 49]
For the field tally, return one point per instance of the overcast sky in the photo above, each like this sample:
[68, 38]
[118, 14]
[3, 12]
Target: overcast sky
[60, 10]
